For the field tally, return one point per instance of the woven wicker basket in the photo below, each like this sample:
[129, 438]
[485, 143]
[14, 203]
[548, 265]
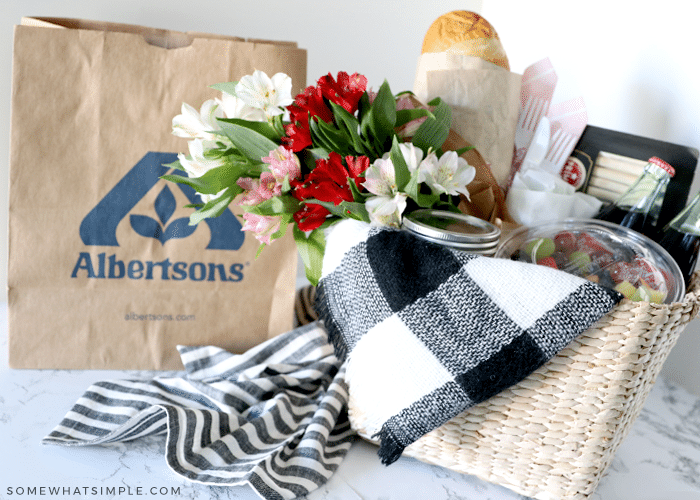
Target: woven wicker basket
[553, 435]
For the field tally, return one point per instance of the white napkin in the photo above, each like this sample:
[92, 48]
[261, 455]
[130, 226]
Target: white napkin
[537, 196]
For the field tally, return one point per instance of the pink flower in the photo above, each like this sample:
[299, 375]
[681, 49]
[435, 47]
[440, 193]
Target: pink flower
[257, 190]
[282, 163]
[262, 226]
[408, 130]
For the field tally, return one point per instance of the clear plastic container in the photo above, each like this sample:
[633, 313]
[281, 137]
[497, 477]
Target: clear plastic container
[606, 253]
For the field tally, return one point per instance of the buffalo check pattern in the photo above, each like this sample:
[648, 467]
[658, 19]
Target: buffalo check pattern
[428, 332]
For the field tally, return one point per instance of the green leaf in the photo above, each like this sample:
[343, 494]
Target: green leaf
[433, 132]
[249, 142]
[423, 200]
[276, 205]
[215, 179]
[176, 165]
[401, 172]
[463, 150]
[334, 209]
[363, 105]
[363, 115]
[311, 249]
[355, 190]
[277, 234]
[212, 209]
[448, 206]
[278, 125]
[383, 114]
[283, 229]
[349, 124]
[413, 187]
[403, 116]
[345, 210]
[196, 183]
[260, 249]
[227, 87]
[286, 187]
[262, 128]
[340, 142]
[357, 210]
[318, 154]
[318, 138]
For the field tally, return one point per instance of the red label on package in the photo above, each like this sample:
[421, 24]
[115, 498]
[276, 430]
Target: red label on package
[573, 172]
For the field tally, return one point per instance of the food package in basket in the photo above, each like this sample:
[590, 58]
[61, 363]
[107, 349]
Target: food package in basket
[605, 253]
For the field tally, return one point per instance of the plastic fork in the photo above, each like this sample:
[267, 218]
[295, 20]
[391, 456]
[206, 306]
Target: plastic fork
[535, 108]
[538, 146]
[560, 147]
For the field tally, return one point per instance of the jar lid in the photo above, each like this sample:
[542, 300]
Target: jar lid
[456, 230]
[660, 163]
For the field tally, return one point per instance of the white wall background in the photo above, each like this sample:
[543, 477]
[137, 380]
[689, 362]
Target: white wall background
[635, 63]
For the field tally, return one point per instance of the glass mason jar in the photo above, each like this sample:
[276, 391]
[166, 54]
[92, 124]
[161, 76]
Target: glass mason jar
[453, 230]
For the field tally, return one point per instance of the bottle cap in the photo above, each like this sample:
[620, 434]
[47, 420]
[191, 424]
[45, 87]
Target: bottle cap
[459, 231]
[660, 163]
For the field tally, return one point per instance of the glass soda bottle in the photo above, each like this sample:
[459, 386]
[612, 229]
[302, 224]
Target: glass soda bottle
[638, 208]
[681, 238]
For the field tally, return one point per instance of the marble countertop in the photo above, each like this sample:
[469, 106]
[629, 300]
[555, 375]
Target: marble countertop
[659, 460]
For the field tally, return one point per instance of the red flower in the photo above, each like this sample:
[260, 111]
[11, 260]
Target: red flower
[311, 216]
[297, 137]
[345, 92]
[328, 181]
[357, 166]
[306, 105]
[311, 104]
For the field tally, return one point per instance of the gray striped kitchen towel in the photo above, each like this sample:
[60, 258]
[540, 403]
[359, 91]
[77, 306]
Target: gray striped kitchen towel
[274, 417]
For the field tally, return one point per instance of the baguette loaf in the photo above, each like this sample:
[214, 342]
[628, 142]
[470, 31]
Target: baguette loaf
[465, 32]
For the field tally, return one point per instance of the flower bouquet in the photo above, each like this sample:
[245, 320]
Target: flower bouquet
[336, 151]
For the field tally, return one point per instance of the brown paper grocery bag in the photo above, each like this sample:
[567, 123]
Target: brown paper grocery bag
[104, 270]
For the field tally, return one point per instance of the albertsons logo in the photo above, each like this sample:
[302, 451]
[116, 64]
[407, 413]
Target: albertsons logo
[99, 228]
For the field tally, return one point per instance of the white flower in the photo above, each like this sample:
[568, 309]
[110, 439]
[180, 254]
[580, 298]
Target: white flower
[235, 107]
[265, 93]
[412, 155]
[450, 174]
[385, 210]
[380, 177]
[197, 164]
[206, 198]
[193, 124]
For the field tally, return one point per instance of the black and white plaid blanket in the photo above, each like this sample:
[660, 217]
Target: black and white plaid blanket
[274, 417]
[429, 332]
